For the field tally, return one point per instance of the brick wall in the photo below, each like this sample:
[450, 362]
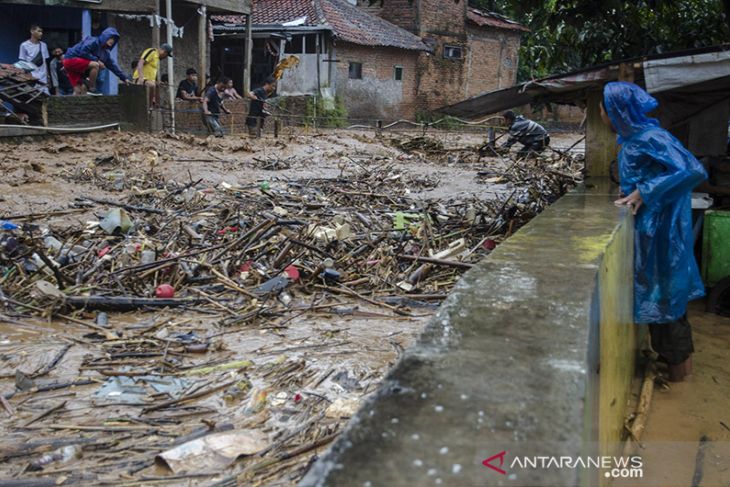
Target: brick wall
[377, 95]
[490, 56]
[441, 81]
[403, 13]
[188, 118]
[442, 17]
[491, 60]
[83, 110]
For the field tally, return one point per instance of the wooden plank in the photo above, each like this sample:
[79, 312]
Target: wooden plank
[249, 50]
[601, 146]
[202, 46]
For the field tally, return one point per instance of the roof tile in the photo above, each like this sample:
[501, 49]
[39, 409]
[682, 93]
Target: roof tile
[347, 22]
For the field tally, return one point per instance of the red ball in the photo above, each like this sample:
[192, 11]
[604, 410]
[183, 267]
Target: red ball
[165, 291]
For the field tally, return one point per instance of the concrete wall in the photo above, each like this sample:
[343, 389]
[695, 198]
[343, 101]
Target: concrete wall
[301, 80]
[377, 95]
[618, 339]
[531, 355]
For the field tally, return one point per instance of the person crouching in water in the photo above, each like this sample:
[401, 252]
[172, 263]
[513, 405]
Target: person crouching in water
[532, 135]
[256, 112]
[657, 174]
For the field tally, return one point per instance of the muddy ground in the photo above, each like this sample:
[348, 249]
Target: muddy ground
[97, 403]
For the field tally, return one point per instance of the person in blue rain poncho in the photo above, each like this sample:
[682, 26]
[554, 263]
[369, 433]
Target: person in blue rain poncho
[657, 176]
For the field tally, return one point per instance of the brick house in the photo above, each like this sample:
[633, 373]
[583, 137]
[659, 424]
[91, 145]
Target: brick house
[384, 61]
[365, 61]
[472, 51]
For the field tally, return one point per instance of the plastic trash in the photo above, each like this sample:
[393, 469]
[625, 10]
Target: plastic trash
[116, 219]
[264, 186]
[6, 225]
[257, 401]
[400, 219]
[285, 298]
[148, 256]
[292, 273]
[330, 276]
[8, 243]
[165, 291]
[274, 285]
[102, 319]
[62, 455]
[213, 452]
[324, 234]
[52, 243]
[45, 288]
[489, 244]
[342, 407]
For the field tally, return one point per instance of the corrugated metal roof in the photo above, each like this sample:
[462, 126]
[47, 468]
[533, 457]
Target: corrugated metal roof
[495, 20]
[569, 87]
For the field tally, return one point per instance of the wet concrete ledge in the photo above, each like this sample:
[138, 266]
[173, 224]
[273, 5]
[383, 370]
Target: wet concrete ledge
[510, 362]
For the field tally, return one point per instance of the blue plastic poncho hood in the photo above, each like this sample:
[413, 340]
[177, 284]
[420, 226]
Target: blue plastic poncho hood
[627, 105]
[656, 164]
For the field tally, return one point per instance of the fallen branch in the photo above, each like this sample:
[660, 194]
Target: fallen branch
[125, 303]
[190, 397]
[431, 260]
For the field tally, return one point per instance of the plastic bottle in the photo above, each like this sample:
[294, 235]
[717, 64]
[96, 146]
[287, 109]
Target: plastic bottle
[63, 455]
[148, 256]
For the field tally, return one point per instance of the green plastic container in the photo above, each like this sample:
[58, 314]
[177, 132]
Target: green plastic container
[716, 247]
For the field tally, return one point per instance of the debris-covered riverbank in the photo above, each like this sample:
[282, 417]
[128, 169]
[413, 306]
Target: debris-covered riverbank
[192, 311]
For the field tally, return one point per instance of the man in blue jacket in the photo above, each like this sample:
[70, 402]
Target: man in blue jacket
[90, 56]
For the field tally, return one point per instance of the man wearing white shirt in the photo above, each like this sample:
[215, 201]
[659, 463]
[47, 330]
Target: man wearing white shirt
[35, 52]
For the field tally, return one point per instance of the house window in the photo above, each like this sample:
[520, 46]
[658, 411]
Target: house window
[355, 71]
[453, 52]
[311, 45]
[295, 45]
[398, 73]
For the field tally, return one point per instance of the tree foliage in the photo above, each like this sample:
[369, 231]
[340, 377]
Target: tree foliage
[572, 34]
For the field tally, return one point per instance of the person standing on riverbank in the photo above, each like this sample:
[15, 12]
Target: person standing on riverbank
[657, 175]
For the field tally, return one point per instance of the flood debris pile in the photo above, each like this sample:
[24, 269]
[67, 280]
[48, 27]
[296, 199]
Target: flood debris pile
[254, 251]
[197, 393]
[20, 90]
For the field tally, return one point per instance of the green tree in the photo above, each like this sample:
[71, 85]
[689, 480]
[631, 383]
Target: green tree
[573, 34]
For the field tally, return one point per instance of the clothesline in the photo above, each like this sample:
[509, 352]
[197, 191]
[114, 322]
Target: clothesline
[156, 21]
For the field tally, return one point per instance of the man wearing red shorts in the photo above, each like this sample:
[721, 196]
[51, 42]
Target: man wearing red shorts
[90, 56]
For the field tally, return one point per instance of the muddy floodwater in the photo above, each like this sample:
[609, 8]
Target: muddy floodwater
[296, 271]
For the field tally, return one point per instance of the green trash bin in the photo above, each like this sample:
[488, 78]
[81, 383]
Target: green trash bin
[716, 247]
